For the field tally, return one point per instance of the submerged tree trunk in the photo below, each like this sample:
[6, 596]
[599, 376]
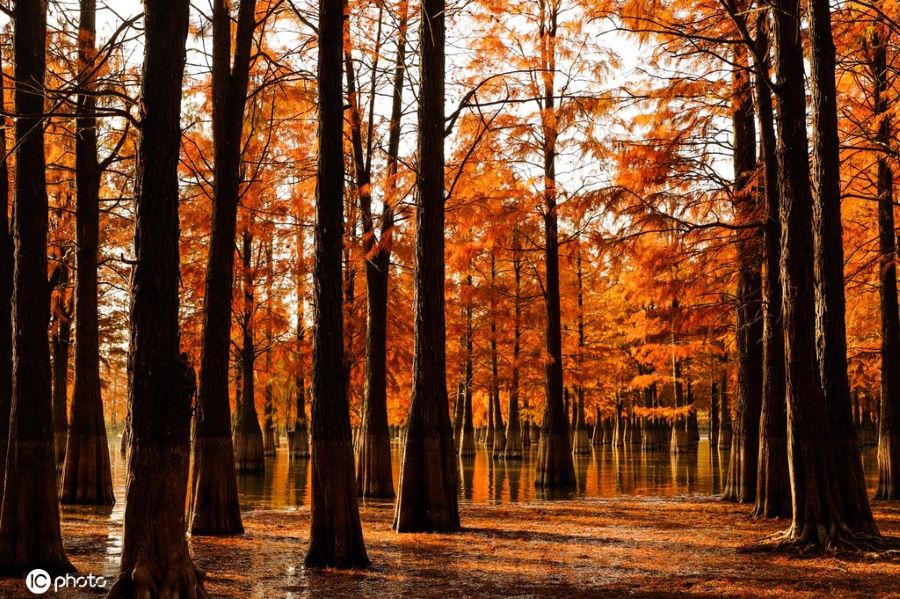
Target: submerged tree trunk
[555, 467]
[29, 519]
[427, 495]
[298, 438]
[373, 453]
[820, 509]
[214, 508]
[155, 558]
[87, 477]
[741, 483]
[467, 444]
[248, 437]
[515, 440]
[335, 538]
[773, 491]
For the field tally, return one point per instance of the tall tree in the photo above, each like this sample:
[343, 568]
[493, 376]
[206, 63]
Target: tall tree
[373, 451]
[156, 561]
[29, 517]
[773, 492]
[87, 477]
[248, 437]
[831, 333]
[819, 512]
[427, 493]
[214, 498]
[741, 482]
[555, 467]
[336, 538]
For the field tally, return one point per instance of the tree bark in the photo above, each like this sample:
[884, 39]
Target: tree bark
[155, 557]
[819, 505]
[336, 538]
[214, 508]
[428, 489]
[298, 439]
[29, 519]
[87, 477]
[741, 482]
[498, 440]
[515, 440]
[773, 491]
[467, 444]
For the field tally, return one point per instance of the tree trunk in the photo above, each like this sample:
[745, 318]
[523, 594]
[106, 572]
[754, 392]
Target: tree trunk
[29, 519]
[214, 508]
[515, 440]
[773, 491]
[819, 506]
[831, 334]
[61, 327]
[467, 445]
[155, 557]
[248, 437]
[889, 421]
[713, 416]
[87, 477]
[581, 444]
[335, 538]
[555, 467]
[298, 439]
[498, 437]
[741, 483]
[270, 434]
[427, 496]
[724, 412]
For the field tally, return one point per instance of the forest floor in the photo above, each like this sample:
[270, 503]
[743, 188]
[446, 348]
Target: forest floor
[625, 546]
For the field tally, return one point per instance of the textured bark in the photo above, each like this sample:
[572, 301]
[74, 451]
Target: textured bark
[29, 518]
[741, 482]
[336, 538]
[214, 500]
[155, 558]
[87, 477]
[427, 495]
[820, 508]
[773, 491]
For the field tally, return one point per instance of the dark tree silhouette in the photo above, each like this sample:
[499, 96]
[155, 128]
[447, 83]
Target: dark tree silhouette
[29, 518]
[214, 497]
[87, 477]
[155, 559]
[427, 492]
[336, 538]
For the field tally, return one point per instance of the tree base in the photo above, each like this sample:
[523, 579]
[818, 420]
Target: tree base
[555, 468]
[215, 510]
[836, 541]
[87, 479]
[298, 443]
[181, 579]
[248, 451]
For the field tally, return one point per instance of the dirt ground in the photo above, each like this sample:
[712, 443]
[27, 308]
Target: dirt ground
[625, 546]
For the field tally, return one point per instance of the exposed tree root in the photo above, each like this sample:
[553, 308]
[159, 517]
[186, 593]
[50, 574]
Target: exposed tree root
[837, 542]
[146, 581]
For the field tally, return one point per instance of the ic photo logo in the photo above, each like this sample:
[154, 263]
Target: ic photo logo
[39, 582]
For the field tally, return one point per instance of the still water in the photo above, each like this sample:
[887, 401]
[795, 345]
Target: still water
[606, 473]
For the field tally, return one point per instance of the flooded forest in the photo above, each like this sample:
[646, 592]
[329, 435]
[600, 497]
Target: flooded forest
[484, 298]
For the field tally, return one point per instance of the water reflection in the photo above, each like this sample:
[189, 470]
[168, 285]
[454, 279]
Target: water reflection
[608, 472]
